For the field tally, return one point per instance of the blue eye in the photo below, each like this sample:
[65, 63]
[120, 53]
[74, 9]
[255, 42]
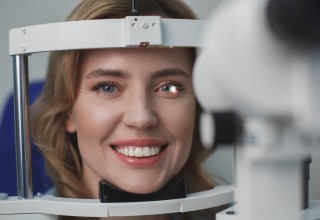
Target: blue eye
[108, 88]
[105, 87]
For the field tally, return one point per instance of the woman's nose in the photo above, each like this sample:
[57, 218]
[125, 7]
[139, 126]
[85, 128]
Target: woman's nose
[139, 114]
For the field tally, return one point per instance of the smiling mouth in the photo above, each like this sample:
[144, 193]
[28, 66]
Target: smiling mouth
[139, 151]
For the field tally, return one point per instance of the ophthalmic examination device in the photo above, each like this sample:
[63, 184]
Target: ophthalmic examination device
[260, 61]
[242, 67]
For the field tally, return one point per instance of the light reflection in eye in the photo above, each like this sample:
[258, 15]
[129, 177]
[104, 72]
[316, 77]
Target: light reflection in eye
[169, 88]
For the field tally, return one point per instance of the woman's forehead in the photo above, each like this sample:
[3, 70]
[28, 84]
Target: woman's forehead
[135, 58]
[134, 51]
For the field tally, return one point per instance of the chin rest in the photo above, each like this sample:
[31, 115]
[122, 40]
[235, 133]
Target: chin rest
[175, 189]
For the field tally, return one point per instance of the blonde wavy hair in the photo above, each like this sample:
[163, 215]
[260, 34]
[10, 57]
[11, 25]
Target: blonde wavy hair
[50, 111]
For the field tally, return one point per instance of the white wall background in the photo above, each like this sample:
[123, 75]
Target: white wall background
[19, 13]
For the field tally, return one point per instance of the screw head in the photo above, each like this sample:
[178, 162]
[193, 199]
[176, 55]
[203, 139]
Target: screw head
[145, 25]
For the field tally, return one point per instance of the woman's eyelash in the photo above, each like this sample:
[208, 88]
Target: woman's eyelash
[101, 84]
[173, 83]
[163, 86]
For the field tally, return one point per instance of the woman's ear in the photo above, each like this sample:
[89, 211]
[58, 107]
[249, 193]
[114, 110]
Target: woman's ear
[70, 125]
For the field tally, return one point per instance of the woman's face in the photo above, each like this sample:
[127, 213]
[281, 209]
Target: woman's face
[134, 116]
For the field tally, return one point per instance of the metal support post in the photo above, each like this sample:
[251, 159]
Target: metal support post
[22, 126]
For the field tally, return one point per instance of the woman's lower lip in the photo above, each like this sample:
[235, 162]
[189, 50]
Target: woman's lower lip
[141, 161]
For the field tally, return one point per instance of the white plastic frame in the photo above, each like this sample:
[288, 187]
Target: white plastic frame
[51, 205]
[132, 31]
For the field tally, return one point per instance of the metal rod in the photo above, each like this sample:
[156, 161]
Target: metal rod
[22, 126]
[134, 7]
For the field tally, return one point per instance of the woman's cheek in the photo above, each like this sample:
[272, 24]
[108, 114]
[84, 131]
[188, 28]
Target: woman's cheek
[179, 119]
[97, 117]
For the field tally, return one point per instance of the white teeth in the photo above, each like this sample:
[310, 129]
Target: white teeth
[152, 151]
[138, 151]
[125, 151]
[131, 152]
[146, 152]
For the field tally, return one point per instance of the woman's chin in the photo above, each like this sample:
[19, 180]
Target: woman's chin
[141, 189]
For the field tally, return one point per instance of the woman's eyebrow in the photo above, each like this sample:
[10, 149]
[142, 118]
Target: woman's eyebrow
[107, 72]
[169, 72]
[121, 74]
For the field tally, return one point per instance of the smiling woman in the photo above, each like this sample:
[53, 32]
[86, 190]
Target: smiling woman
[132, 107]
[128, 116]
